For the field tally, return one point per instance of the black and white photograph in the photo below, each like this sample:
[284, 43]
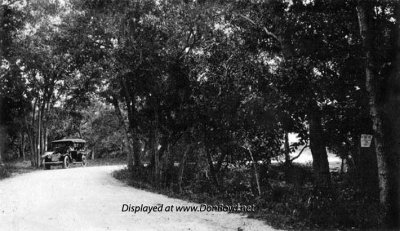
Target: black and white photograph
[202, 115]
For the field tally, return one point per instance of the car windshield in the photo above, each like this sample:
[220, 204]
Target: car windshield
[58, 146]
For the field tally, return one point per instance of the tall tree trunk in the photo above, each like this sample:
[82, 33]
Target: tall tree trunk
[129, 157]
[137, 151]
[32, 146]
[364, 11]
[182, 163]
[121, 120]
[210, 161]
[46, 139]
[130, 103]
[1, 31]
[213, 171]
[168, 166]
[318, 149]
[392, 133]
[22, 146]
[156, 157]
[42, 135]
[386, 123]
[2, 143]
[44, 132]
[39, 135]
[31, 135]
[255, 170]
[2, 132]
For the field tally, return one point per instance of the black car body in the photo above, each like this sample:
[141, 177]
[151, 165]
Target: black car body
[65, 152]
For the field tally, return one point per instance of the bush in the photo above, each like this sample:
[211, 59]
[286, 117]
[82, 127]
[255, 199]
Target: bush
[284, 204]
[4, 172]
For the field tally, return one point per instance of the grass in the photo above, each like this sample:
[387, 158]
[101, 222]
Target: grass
[107, 161]
[5, 171]
[14, 168]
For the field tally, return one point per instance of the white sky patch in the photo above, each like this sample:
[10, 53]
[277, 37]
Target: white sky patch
[198, 51]
[5, 65]
[114, 42]
[202, 77]
[56, 20]
[317, 72]
[225, 27]
[271, 61]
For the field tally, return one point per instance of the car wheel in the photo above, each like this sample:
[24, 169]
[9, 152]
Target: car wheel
[66, 162]
[84, 161]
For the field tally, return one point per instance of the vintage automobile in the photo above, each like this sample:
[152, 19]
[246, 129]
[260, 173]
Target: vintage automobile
[65, 152]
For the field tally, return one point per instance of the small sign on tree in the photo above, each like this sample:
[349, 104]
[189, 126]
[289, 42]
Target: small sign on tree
[366, 140]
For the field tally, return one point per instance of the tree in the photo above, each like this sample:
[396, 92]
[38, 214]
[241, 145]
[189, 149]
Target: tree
[12, 101]
[314, 52]
[47, 70]
[383, 104]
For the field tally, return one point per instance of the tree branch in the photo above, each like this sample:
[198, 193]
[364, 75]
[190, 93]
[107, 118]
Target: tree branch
[305, 146]
[264, 28]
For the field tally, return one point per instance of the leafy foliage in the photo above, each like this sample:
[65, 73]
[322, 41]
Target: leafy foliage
[203, 93]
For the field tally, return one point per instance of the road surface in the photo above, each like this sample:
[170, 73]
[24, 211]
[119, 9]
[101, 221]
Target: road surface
[91, 199]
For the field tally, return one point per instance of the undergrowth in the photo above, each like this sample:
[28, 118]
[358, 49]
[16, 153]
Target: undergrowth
[284, 204]
[5, 171]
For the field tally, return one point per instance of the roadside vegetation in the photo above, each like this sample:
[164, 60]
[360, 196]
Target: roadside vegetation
[17, 166]
[14, 168]
[199, 97]
[289, 200]
[5, 171]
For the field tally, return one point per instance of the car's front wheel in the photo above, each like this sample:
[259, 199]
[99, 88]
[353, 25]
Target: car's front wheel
[66, 162]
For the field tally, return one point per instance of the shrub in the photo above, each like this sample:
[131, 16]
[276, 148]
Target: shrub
[284, 204]
[4, 172]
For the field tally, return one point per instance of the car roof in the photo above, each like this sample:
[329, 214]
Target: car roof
[70, 140]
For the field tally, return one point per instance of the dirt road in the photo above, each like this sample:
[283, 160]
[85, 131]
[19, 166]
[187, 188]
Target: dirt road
[91, 199]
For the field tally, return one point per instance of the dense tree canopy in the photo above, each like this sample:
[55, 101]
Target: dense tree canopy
[221, 81]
